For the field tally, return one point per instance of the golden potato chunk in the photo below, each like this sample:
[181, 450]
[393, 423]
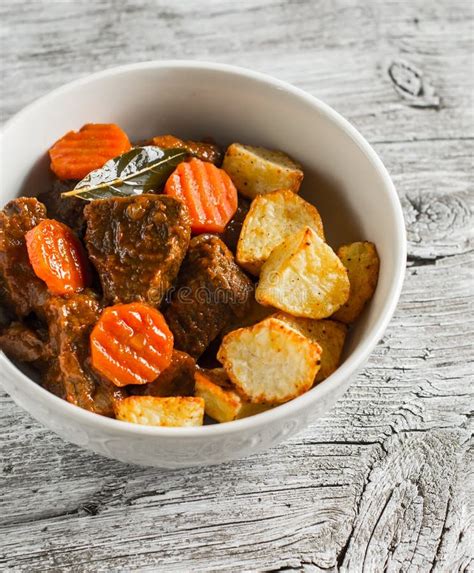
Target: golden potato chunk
[255, 170]
[270, 362]
[157, 411]
[222, 402]
[329, 334]
[272, 218]
[303, 277]
[362, 263]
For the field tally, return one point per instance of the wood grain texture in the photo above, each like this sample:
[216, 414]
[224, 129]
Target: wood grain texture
[384, 482]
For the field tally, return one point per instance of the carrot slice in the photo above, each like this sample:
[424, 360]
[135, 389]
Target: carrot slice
[207, 191]
[78, 153]
[57, 257]
[131, 344]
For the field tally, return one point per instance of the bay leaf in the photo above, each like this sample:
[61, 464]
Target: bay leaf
[140, 170]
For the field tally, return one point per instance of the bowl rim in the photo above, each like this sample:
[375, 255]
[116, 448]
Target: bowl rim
[352, 364]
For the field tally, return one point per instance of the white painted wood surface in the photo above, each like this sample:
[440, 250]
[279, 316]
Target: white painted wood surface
[384, 482]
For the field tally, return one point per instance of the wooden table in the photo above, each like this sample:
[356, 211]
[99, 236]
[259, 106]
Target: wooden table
[382, 482]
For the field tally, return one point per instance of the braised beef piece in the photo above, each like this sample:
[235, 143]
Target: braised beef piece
[6, 313]
[231, 233]
[68, 210]
[70, 322]
[53, 335]
[137, 245]
[22, 343]
[210, 291]
[52, 380]
[176, 380]
[208, 358]
[21, 289]
[204, 150]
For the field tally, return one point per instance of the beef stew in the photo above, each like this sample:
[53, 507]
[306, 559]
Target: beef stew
[160, 295]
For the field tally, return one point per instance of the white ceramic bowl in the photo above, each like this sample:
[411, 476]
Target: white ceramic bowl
[344, 178]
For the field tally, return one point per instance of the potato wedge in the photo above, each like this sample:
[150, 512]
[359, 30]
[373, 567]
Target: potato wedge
[255, 170]
[222, 402]
[158, 411]
[362, 263]
[269, 362]
[271, 219]
[329, 334]
[303, 277]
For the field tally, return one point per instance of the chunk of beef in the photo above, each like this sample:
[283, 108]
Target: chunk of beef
[53, 380]
[21, 289]
[176, 380]
[21, 343]
[208, 358]
[70, 322]
[204, 150]
[6, 313]
[211, 290]
[137, 245]
[68, 210]
[231, 233]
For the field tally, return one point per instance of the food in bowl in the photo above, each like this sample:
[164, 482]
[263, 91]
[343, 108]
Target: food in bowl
[145, 286]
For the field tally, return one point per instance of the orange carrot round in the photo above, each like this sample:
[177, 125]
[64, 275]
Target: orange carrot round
[78, 153]
[131, 344]
[57, 257]
[207, 191]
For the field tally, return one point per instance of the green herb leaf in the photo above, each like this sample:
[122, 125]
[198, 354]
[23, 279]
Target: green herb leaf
[140, 170]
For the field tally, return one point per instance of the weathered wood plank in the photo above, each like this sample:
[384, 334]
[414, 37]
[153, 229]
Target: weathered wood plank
[339, 51]
[384, 481]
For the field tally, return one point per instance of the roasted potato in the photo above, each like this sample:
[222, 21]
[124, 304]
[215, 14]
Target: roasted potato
[158, 411]
[222, 402]
[271, 219]
[270, 362]
[329, 334]
[255, 170]
[303, 277]
[362, 263]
